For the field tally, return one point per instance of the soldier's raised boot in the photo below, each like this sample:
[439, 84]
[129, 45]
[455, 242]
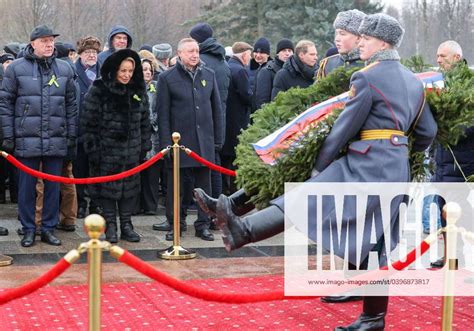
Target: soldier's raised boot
[239, 231]
[239, 201]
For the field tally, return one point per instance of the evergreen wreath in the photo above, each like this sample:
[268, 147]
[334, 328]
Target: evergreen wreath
[452, 107]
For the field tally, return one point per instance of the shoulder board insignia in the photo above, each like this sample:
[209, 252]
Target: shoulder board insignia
[322, 68]
[352, 91]
[370, 66]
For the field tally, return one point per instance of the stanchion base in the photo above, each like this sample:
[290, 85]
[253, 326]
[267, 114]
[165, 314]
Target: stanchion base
[176, 253]
[5, 260]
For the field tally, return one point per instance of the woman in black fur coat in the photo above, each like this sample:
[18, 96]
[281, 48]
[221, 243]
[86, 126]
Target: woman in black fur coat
[116, 129]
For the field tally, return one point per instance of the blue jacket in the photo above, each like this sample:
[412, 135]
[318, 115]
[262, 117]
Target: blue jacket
[84, 85]
[39, 113]
[446, 169]
[115, 30]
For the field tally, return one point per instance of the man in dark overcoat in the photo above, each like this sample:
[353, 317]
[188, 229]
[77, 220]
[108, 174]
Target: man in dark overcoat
[239, 101]
[188, 102]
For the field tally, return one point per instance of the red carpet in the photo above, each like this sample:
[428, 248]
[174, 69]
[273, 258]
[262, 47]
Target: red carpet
[152, 306]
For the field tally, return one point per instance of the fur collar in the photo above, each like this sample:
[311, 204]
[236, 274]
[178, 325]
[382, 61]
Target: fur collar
[384, 55]
[353, 55]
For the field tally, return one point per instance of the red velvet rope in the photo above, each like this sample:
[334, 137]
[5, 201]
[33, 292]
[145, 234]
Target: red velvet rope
[209, 295]
[92, 180]
[48, 277]
[196, 291]
[211, 165]
[411, 257]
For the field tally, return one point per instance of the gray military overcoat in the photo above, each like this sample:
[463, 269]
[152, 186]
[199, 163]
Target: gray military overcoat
[384, 95]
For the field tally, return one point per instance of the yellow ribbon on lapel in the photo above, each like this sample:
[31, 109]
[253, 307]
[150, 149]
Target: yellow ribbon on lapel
[53, 81]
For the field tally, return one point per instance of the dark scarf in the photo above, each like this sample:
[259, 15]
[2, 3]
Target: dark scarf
[306, 71]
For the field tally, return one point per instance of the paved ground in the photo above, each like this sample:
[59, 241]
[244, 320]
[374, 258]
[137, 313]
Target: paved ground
[266, 257]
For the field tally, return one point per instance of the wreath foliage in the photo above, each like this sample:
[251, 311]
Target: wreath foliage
[452, 107]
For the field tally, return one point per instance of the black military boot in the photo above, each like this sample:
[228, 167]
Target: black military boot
[111, 231]
[3, 231]
[126, 227]
[241, 231]
[340, 298]
[239, 201]
[372, 318]
[109, 213]
[127, 233]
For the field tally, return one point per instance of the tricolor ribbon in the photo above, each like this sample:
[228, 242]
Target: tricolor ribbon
[270, 148]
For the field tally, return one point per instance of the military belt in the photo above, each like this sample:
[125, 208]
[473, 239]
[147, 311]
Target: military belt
[380, 134]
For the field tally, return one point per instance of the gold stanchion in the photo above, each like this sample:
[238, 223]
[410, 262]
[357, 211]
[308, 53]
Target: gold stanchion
[95, 226]
[452, 213]
[176, 252]
[5, 260]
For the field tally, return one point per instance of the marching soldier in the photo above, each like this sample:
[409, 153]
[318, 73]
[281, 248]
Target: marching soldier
[386, 102]
[347, 40]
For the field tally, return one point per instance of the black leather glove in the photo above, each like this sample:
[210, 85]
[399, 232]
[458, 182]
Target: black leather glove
[218, 147]
[8, 146]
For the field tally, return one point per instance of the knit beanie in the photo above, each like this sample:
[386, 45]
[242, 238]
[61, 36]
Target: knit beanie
[201, 31]
[262, 45]
[284, 44]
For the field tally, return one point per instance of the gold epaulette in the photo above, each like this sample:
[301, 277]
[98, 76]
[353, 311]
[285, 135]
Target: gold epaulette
[369, 66]
[322, 66]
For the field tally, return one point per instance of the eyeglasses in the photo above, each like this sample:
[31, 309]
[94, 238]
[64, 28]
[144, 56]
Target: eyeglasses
[90, 52]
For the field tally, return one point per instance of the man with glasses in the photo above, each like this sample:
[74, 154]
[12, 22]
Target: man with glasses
[87, 69]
